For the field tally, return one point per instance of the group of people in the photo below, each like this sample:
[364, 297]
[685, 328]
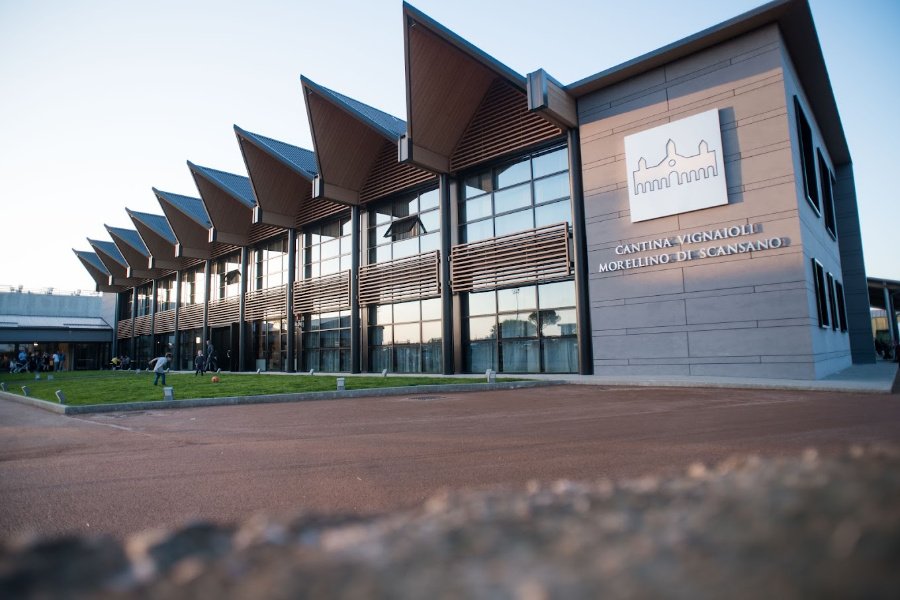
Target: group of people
[205, 362]
[34, 362]
[202, 363]
[884, 350]
[120, 362]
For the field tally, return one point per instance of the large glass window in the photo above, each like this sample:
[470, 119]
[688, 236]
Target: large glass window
[821, 294]
[269, 339]
[404, 227]
[144, 299]
[405, 337]
[165, 294]
[526, 329]
[270, 262]
[126, 301]
[827, 195]
[326, 341]
[226, 277]
[326, 248]
[527, 193]
[193, 286]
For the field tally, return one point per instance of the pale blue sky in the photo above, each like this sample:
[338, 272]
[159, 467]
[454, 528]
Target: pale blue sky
[103, 100]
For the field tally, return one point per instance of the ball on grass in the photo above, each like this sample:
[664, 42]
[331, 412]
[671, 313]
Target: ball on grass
[214, 379]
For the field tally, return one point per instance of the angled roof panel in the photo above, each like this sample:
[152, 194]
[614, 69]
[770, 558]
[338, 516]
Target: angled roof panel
[300, 159]
[236, 186]
[158, 223]
[130, 237]
[390, 126]
[92, 259]
[190, 206]
[110, 249]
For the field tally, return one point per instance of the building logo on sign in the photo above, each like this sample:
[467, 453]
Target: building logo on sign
[686, 170]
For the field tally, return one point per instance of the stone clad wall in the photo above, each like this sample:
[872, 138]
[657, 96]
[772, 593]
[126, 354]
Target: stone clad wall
[745, 314]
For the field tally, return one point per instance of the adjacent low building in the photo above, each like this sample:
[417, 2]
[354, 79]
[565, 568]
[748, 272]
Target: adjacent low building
[689, 212]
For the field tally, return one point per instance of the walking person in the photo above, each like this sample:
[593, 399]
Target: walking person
[56, 361]
[160, 366]
[199, 363]
[210, 356]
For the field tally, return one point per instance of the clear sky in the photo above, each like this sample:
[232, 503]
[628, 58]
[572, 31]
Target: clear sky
[100, 101]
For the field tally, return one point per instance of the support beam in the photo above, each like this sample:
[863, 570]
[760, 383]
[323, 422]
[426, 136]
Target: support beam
[582, 282]
[547, 98]
[134, 305]
[207, 268]
[328, 191]
[355, 324]
[272, 218]
[409, 152]
[153, 292]
[242, 327]
[176, 351]
[891, 316]
[446, 208]
[291, 319]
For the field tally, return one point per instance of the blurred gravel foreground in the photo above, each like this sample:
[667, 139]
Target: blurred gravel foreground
[804, 527]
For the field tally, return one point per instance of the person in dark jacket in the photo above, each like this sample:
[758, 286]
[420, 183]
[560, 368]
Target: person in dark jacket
[199, 363]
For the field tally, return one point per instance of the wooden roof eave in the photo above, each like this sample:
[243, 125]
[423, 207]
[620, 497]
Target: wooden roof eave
[137, 263]
[162, 252]
[193, 238]
[279, 187]
[442, 70]
[231, 218]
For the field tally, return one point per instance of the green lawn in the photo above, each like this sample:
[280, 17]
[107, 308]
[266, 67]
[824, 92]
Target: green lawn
[114, 387]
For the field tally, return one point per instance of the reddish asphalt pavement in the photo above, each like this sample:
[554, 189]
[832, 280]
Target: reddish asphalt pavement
[121, 473]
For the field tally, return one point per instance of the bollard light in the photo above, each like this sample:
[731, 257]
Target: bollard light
[25, 390]
[3, 386]
[340, 384]
[37, 376]
[49, 377]
[491, 376]
[168, 393]
[384, 372]
[312, 371]
[60, 396]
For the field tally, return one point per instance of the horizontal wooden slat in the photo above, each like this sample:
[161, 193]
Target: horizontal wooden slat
[190, 317]
[525, 257]
[164, 321]
[398, 280]
[124, 329]
[224, 312]
[389, 176]
[268, 303]
[322, 294]
[502, 124]
[142, 325]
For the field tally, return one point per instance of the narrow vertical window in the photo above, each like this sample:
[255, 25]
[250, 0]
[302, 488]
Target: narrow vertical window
[827, 195]
[841, 305]
[821, 299]
[831, 302]
[807, 158]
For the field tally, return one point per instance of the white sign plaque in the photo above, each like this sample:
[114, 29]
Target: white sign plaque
[676, 168]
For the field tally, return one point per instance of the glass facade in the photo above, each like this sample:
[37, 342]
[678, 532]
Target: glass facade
[326, 341]
[144, 299]
[165, 294]
[269, 265]
[527, 329]
[226, 277]
[524, 329]
[269, 344]
[325, 337]
[193, 286]
[528, 193]
[405, 337]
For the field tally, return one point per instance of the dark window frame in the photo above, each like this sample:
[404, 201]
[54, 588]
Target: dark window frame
[841, 304]
[807, 158]
[827, 195]
[832, 303]
[821, 296]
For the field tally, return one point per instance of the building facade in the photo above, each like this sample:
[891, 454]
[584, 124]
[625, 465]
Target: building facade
[690, 212]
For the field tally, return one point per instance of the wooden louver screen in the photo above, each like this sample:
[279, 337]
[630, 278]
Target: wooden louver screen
[502, 124]
[401, 279]
[524, 257]
[268, 303]
[164, 321]
[124, 329]
[388, 176]
[314, 210]
[224, 312]
[322, 294]
[190, 317]
[142, 325]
